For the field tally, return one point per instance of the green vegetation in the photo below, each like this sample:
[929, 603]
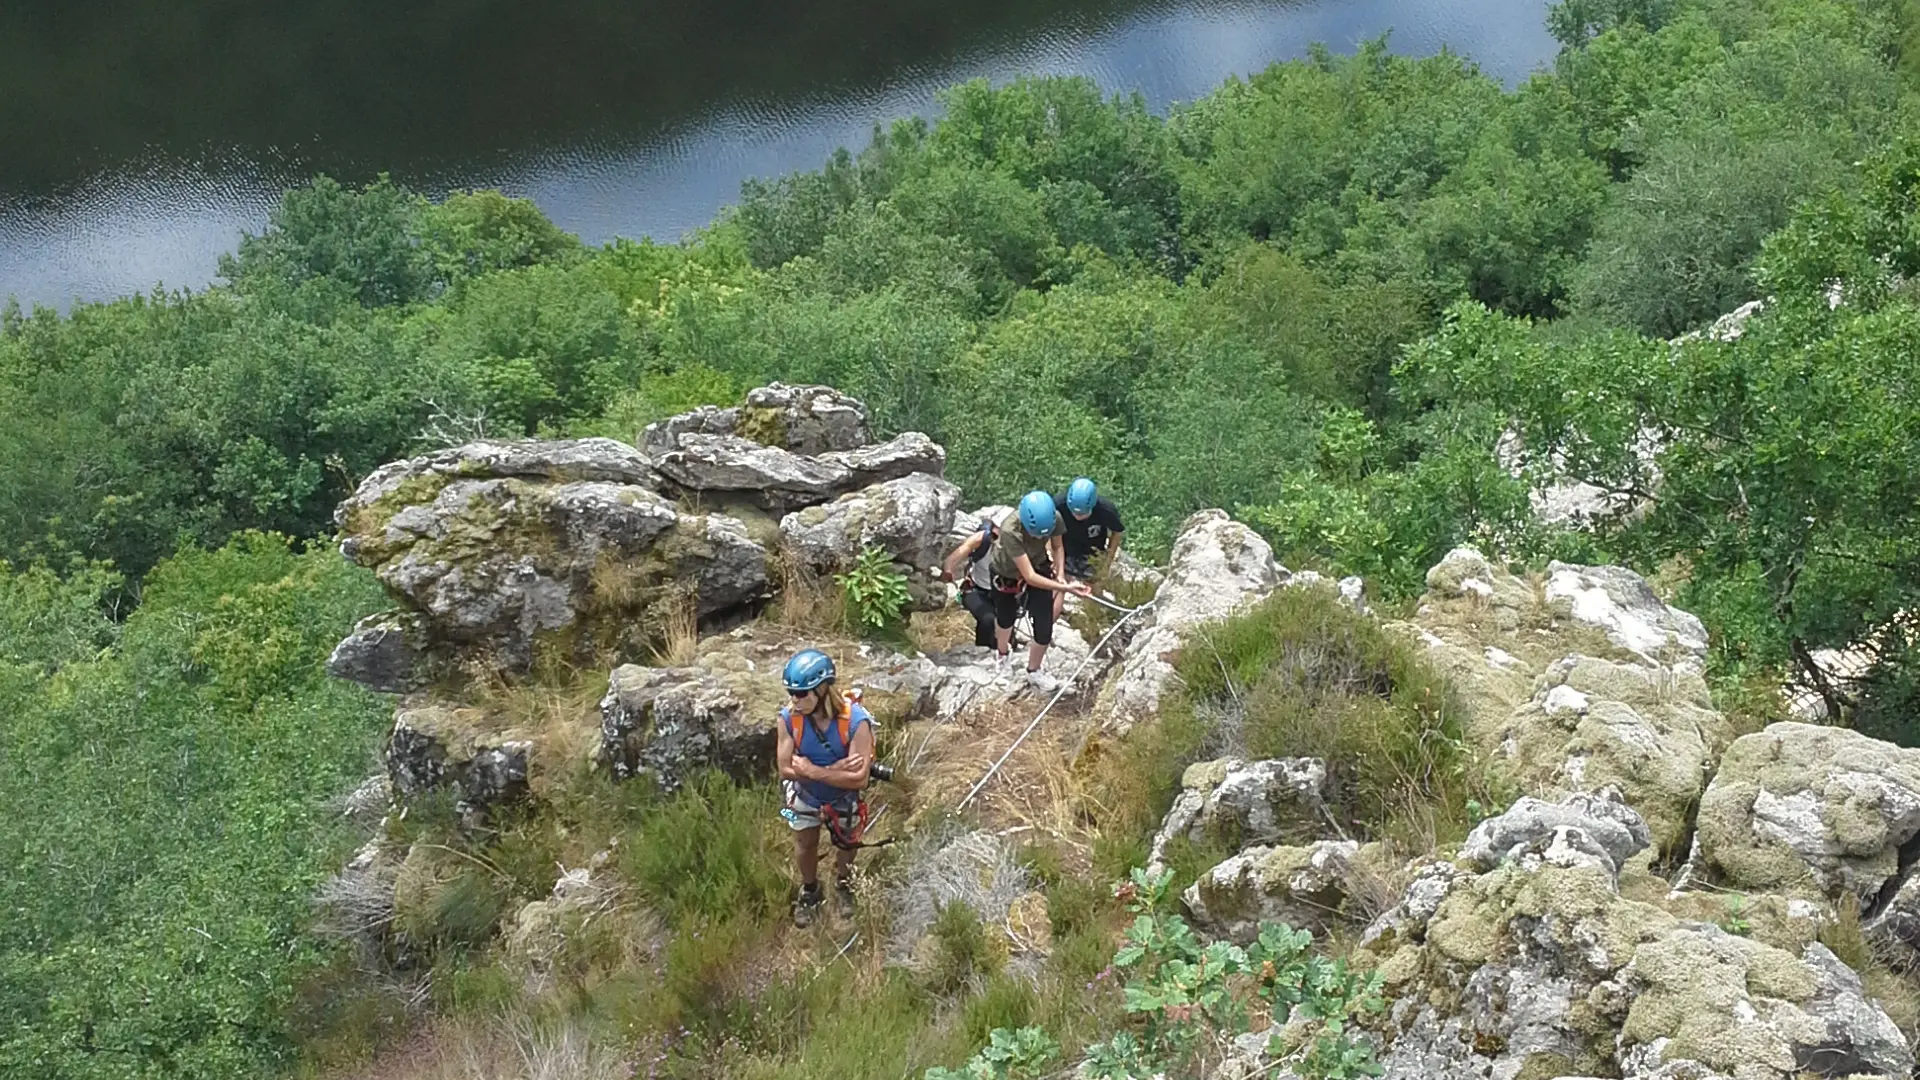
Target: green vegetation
[875, 593]
[1318, 297]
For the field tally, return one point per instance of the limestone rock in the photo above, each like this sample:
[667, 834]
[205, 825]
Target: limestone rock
[778, 479]
[1596, 831]
[433, 745]
[1799, 807]
[1236, 801]
[501, 566]
[386, 652]
[807, 420]
[1216, 566]
[667, 722]
[1621, 603]
[908, 518]
[1585, 683]
[1300, 886]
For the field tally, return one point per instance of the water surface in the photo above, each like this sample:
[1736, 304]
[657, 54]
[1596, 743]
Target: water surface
[139, 141]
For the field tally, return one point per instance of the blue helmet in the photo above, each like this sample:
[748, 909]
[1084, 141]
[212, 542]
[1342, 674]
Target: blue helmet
[1080, 496]
[1036, 513]
[808, 670]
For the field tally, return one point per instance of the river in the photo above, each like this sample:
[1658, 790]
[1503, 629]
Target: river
[138, 141]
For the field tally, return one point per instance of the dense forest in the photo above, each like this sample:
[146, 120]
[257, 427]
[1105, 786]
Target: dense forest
[1319, 297]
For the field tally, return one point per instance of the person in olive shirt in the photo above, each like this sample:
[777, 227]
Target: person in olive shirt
[1093, 528]
[1028, 561]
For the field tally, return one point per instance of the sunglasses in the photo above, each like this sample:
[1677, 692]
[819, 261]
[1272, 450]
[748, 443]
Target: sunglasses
[792, 693]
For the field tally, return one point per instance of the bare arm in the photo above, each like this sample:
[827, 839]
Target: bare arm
[960, 555]
[850, 772]
[1113, 549]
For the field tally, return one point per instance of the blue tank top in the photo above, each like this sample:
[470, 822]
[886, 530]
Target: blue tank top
[824, 748]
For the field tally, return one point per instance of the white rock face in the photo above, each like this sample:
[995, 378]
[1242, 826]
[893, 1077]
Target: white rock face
[1621, 603]
[1257, 800]
[1804, 807]
[1217, 566]
[908, 518]
[1598, 831]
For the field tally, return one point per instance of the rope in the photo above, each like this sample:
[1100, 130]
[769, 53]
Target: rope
[1065, 685]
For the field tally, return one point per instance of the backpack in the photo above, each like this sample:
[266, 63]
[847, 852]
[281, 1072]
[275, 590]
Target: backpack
[794, 720]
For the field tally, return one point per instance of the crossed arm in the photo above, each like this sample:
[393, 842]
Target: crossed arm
[849, 773]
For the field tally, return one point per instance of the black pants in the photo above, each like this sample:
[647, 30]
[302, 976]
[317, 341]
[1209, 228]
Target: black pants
[1080, 567]
[979, 603]
[1006, 608]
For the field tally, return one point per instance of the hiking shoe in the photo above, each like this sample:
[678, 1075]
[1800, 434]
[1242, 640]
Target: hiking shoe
[1042, 682]
[807, 907]
[843, 899]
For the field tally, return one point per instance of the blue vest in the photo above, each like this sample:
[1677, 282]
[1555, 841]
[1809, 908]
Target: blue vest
[824, 748]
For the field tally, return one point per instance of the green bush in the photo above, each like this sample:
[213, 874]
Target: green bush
[876, 594]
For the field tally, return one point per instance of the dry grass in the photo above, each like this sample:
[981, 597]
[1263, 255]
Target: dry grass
[677, 628]
[508, 1046]
[808, 601]
[562, 721]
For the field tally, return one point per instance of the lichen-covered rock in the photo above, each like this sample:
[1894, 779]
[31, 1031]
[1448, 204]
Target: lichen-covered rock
[1300, 886]
[908, 518]
[1583, 683]
[386, 652]
[666, 723]
[807, 420]
[1235, 802]
[1596, 831]
[433, 745]
[779, 479]
[537, 934]
[1216, 566]
[505, 566]
[1804, 808]
[1621, 603]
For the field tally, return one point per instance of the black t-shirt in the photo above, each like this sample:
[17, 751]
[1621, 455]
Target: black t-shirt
[1085, 538]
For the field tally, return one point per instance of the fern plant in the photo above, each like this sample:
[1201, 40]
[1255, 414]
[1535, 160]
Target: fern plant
[876, 594]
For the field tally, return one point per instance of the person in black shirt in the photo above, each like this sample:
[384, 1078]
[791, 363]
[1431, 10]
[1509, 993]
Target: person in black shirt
[1093, 528]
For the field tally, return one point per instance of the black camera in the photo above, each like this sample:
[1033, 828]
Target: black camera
[880, 772]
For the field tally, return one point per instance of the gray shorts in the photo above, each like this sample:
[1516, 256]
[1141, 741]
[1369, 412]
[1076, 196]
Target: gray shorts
[800, 817]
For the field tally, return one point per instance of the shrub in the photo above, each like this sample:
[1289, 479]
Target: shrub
[876, 594]
[1306, 676]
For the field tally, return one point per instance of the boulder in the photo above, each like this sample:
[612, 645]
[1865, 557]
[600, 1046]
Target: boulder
[433, 746]
[1536, 968]
[1216, 566]
[1801, 808]
[1579, 683]
[1598, 831]
[666, 723]
[507, 566]
[1621, 603]
[1300, 886]
[781, 480]
[1237, 802]
[808, 420]
[386, 652]
[908, 518]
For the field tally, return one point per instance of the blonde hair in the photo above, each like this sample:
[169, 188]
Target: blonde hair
[833, 699]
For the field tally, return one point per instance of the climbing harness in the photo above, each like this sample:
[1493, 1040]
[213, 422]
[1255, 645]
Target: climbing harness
[1065, 685]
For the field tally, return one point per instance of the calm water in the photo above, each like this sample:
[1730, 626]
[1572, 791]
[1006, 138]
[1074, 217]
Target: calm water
[137, 141]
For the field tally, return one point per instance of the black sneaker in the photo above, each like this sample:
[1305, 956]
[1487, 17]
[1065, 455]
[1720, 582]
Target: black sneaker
[807, 906]
[843, 899]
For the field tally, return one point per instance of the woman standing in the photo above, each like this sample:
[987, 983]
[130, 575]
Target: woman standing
[824, 753]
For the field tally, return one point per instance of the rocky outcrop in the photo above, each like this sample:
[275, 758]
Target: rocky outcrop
[433, 745]
[1806, 809]
[1237, 802]
[666, 723]
[1308, 886]
[1577, 683]
[908, 518]
[1596, 831]
[807, 420]
[1216, 566]
[1537, 965]
[777, 479]
[508, 566]
[386, 652]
